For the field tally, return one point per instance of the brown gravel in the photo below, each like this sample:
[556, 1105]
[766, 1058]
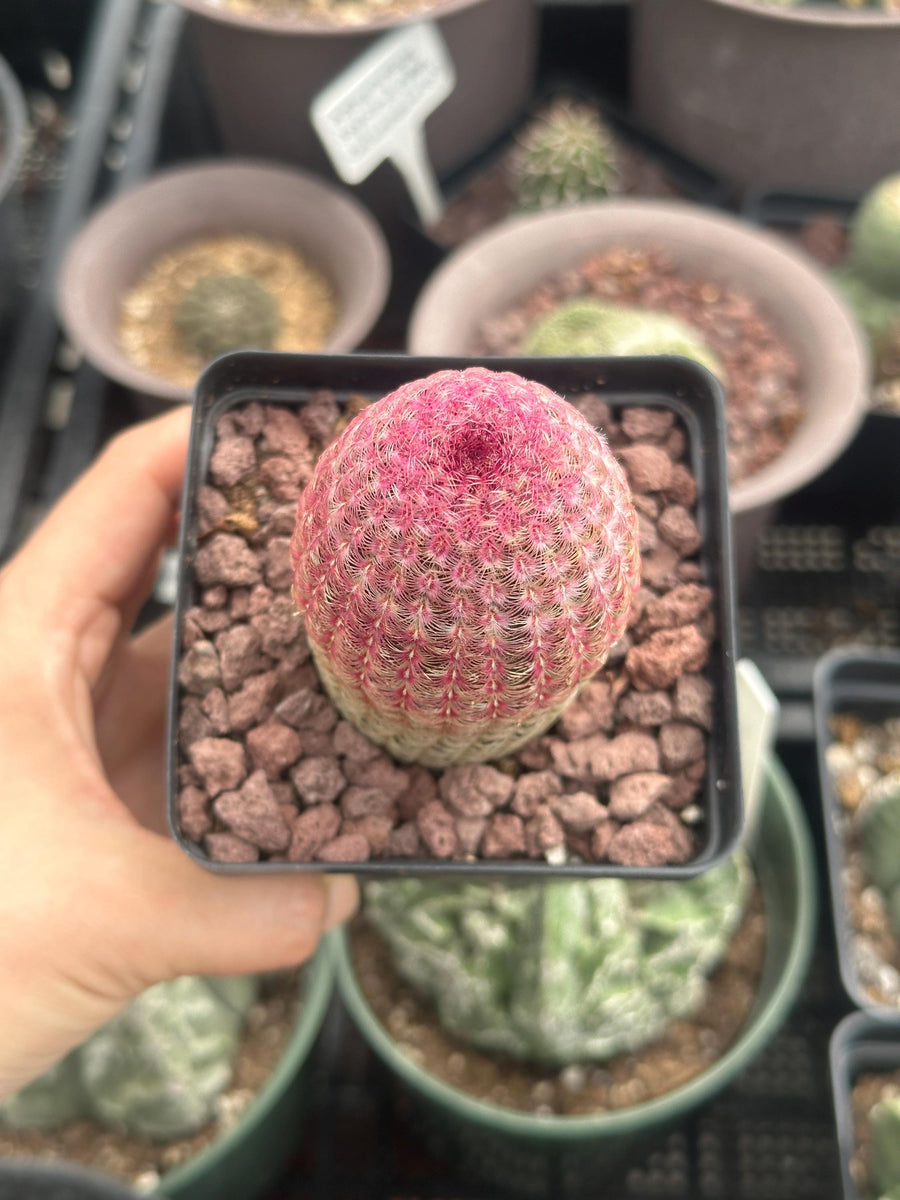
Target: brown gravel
[490, 195]
[268, 771]
[763, 388]
[687, 1048]
[269, 1027]
[867, 1090]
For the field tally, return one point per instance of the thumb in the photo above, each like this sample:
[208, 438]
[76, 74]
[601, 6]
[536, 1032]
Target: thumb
[190, 921]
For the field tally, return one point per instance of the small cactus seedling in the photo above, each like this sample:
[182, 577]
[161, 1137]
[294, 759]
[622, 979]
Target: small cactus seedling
[884, 1127]
[566, 157]
[879, 833]
[465, 556]
[875, 238]
[587, 326]
[565, 971]
[155, 1070]
[220, 313]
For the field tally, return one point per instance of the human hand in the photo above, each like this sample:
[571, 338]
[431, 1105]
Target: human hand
[96, 902]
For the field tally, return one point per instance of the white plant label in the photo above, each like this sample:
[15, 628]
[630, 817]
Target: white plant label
[376, 109]
[757, 721]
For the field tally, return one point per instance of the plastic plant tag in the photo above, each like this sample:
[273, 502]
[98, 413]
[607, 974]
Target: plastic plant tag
[757, 720]
[376, 109]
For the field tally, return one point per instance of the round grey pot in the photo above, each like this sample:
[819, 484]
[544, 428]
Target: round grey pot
[261, 73]
[805, 97]
[490, 273]
[122, 239]
[13, 128]
[527, 1154]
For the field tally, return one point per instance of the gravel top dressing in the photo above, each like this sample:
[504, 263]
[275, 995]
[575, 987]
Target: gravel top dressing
[762, 382]
[688, 1047]
[864, 761]
[268, 771]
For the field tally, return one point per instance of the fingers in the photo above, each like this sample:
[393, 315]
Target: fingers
[97, 545]
[130, 722]
[188, 920]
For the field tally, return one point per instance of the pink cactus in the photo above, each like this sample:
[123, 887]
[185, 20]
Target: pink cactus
[465, 556]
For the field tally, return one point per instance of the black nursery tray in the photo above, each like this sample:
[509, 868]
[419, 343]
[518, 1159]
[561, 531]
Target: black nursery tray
[789, 210]
[862, 1043]
[673, 384]
[866, 684]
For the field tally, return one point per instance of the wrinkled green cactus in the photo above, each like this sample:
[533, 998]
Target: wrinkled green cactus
[226, 312]
[877, 313]
[567, 156]
[588, 326]
[884, 1125]
[878, 822]
[154, 1070]
[564, 971]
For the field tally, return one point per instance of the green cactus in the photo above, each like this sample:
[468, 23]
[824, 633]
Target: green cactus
[564, 971]
[220, 313]
[878, 823]
[884, 1126]
[154, 1070]
[875, 238]
[588, 326]
[567, 156]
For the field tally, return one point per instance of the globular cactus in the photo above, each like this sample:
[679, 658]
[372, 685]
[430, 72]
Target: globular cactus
[220, 313]
[566, 157]
[588, 326]
[884, 1127]
[875, 238]
[564, 971]
[155, 1070]
[465, 556]
[878, 825]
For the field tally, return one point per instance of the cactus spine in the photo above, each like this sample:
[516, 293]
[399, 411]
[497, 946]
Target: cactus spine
[567, 156]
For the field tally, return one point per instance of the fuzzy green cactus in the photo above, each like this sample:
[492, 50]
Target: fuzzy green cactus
[155, 1070]
[567, 156]
[879, 833]
[875, 238]
[884, 1125]
[587, 326]
[220, 313]
[564, 971]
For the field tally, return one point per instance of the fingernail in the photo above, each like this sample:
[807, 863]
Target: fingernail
[341, 899]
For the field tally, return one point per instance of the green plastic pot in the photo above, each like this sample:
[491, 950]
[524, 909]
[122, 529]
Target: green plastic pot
[246, 1159]
[535, 1155]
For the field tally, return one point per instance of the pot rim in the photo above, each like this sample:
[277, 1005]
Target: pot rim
[315, 1000]
[771, 257]
[15, 122]
[78, 270]
[818, 15]
[252, 23]
[91, 1183]
[758, 1030]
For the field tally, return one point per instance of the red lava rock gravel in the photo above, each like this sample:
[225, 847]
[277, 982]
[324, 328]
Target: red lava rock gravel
[269, 771]
[763, 388]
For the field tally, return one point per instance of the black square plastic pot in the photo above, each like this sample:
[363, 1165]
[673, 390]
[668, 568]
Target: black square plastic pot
[864, 683]
[861, 1043]
[674, 384]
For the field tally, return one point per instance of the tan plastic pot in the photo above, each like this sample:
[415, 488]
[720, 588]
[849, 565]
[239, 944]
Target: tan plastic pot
[807, 97]
[124, 237]
[262, 72]
[493, 271]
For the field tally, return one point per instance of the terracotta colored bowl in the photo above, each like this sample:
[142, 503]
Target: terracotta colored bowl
[490, 273]
[124, 237]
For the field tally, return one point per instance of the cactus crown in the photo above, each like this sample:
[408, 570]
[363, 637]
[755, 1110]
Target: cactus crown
[565, 971]
[220, 313]
[155, 1070]
[566, 157]
[587, 326]
[465, 555]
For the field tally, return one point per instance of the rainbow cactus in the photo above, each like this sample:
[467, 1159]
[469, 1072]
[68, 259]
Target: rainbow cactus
[465, 556]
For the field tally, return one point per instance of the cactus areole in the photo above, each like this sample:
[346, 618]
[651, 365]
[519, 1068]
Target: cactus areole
[465, 556]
